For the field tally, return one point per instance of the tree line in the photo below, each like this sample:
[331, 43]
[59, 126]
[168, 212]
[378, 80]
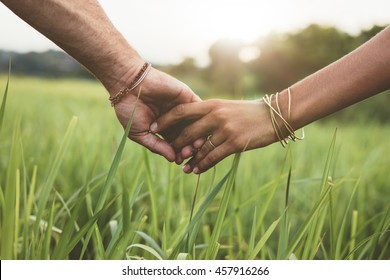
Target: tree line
[49, 64]
[281, 60]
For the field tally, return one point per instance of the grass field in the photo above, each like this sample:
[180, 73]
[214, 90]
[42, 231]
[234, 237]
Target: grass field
[70, 189]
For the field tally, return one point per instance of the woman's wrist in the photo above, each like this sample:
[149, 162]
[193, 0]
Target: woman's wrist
[283, 116]
[266, 133]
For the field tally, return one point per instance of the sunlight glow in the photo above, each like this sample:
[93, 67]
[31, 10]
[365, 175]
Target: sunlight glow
[249, 53]
[236, 19]
[170, 30]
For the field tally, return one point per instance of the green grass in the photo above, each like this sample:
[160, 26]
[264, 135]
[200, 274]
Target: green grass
[72, 188]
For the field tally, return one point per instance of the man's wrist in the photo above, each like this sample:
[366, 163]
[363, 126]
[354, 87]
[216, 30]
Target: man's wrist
[116, 98]
[124, 71]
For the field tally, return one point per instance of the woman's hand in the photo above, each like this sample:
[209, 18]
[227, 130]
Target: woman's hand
[229, 127]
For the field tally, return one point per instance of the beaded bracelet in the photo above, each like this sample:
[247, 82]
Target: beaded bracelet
[137, 80]
[278, 131]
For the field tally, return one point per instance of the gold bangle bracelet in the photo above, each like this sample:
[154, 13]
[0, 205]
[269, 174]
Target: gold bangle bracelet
[276, 112]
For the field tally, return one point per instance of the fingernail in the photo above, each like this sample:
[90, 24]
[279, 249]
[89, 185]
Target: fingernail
[186, 168]
[196, 170]
[153, 127]
[178, 160]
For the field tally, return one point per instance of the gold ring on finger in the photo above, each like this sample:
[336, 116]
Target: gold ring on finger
[210, 142]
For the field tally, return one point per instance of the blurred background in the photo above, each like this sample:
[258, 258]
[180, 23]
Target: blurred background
[238, 49]
[226, 49]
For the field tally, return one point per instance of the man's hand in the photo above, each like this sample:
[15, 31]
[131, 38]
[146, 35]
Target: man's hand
[159, 93]
[83, 30]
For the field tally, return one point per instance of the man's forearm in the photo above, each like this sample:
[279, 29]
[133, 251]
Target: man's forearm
[83, 30]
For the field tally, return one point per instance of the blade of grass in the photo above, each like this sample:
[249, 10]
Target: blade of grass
[283, 233]
[71, 225]
[2, 203]
[125, 208]
[8, 225]
[115, 163]
[87, 227]
[89, 209]
[315, 245]
[237, 225]
[100, 253]
[353, 234]
[332, 228]
[341, 230]
[17, 210]
[198, 215]
[48, 232]
[164, 243]
[78, 199]
[119, 248]
[123, 233]
[271, 191]
[112, 171]
[206, 233]
[169, 200]
[252, 237]
[381, 228]
[146, 248]
[49, 183]
[316, 239]
[363, 242]
[152, 195]
[232, 237]
[366, 224]
[212, 250]
[116, 246]
[260, 244]
[313, 235]
[385, 249]
[28, 212]
[2, 108]
[308, 222]
[152, 243]
[183, 257]
[324, 250]
[329, 159]
[178, 237]
[190, 243]
[126, 238]
[315, 212]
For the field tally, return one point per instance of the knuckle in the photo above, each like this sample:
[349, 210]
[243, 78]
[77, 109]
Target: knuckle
[200, 154]
[236, 144]
[179, 110]
[185, 134]
[228, 129]
[210, 160]
[183, 139]
[204, 166]
[216, 102]
[219, 115]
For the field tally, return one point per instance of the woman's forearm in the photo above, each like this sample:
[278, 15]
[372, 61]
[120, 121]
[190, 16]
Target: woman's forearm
[357, 76]
[232, 127]
[83, 30]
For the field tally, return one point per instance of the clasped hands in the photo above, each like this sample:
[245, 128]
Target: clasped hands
[171, 120]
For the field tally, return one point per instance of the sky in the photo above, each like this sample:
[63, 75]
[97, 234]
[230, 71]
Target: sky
[166, 31]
